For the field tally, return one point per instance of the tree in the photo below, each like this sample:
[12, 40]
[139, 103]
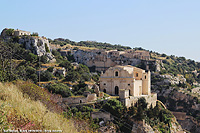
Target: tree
[50, 69]
[150, 112]
[84, 72]
[67, 65]
[5, 62]
[44, 59]
[72, 76]
[9, 32]
[55, 53]
[80, 88]
[61, 89]
[34, 78]
[132, 111]
[31, 57]
[46, 76]
[34, 34]
[163, 55]
[47, 48]
[140, 113]
[142, 102]
[114, 107]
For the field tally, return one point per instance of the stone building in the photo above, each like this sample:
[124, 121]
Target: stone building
[18, 32]
[102, 59]
[129, 83]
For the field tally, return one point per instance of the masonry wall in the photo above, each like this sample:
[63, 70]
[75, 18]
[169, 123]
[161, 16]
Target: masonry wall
[137, 88]
[150, 99]
[103, 115]
[75, 100]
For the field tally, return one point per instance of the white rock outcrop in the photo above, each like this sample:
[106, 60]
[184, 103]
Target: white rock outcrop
[38, 45]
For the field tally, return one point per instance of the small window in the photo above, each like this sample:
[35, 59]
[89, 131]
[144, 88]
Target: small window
[145, 77]
[104, 84]
[80, 101]
[116, 74]
[136, 74]
[128, 84]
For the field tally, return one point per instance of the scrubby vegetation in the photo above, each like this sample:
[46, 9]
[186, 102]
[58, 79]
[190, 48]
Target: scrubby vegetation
[25, 105]
[28, 107]
[94, 44]
[179, 65]
[124, 118]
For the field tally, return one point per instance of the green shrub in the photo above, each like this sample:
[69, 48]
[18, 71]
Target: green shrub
[47, 48]
[61, 89]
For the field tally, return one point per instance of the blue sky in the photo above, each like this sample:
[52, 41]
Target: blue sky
[164, 26]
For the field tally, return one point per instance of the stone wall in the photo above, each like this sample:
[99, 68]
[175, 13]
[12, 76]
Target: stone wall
[103, 115]
[21, 33]
[80, 99]
[150, 99]
[75, 100]
[91, 97]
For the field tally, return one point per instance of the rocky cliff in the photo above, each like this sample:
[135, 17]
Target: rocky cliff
[142, 127]
[185, 106]
[38, 45]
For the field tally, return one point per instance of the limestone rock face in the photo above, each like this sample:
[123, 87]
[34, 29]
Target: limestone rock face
[38, 45]
[141, 127]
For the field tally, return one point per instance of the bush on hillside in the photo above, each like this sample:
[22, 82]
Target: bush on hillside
[61, 89]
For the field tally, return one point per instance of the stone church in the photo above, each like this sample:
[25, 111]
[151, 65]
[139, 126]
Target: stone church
[129, 83]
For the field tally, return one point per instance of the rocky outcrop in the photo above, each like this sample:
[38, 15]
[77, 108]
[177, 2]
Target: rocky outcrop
[38, 45]
[173, 79]
[177, 100]
[142, 127]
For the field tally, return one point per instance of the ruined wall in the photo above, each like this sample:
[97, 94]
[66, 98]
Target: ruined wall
[104, 115]
[80, 99]
[91, 97]
[75, 100]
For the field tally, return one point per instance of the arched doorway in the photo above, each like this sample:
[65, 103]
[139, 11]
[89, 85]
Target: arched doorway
[116, 74]
[116, 90]
[104, 90]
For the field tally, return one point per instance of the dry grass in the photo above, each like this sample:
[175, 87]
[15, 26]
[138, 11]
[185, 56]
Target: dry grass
[24, 113]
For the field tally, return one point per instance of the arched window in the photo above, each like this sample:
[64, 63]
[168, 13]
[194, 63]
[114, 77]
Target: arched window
[104, 90]
[80, 101]
[136, 74]
[145, 77]
[116, 90]
[116, 74]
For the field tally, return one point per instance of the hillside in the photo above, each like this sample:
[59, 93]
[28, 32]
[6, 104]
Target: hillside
[62, 77]
[19, 110]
